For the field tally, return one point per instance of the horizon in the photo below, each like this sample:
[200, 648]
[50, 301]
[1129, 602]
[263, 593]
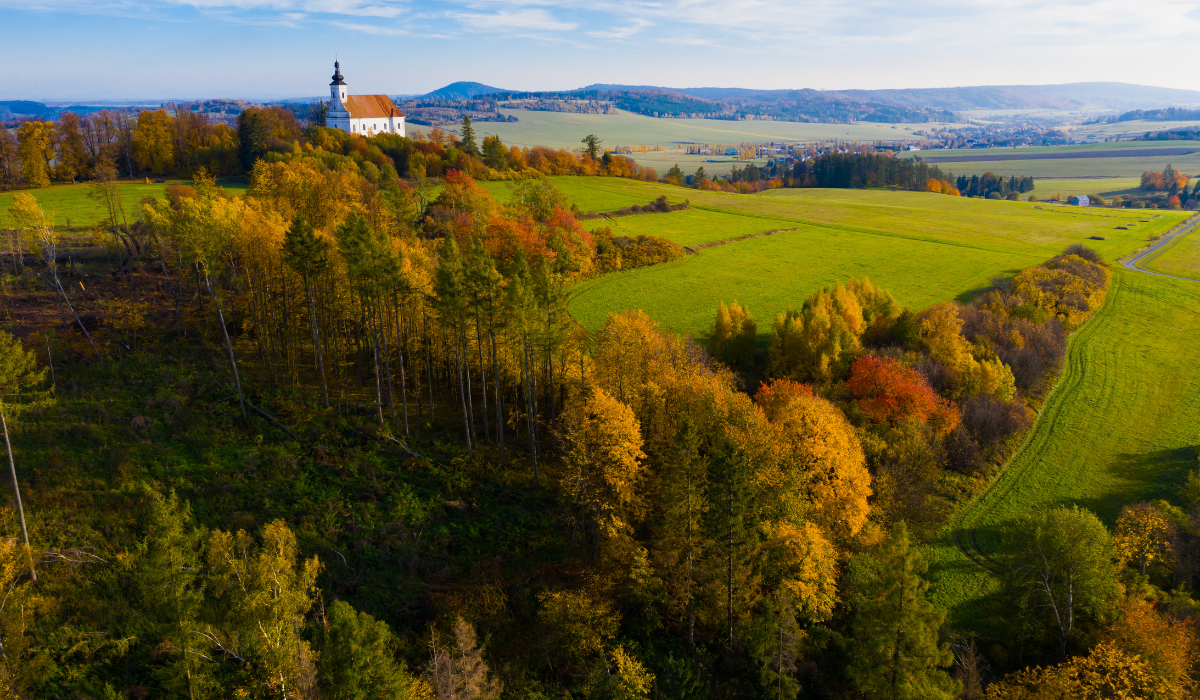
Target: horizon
[264, 49]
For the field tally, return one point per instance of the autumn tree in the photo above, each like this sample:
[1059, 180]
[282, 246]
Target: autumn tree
[307, 255]
[895, 628]
[1143, 535]
[71, 156]
[21, 389]
[734, 335]
[154, 141]
[681, 539]
[591, 146]
[1062, 558]
[34, 151]
[620, 676]
[457, 669]
[889, 392]
[603, 470]
[578, 624]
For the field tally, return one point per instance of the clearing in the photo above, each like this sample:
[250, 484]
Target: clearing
[72, 205]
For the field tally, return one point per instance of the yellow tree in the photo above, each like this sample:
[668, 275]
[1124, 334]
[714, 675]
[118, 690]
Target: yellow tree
[603, 464]
[154, 141]
[1143, 535]
[35, 149]
[20, 379]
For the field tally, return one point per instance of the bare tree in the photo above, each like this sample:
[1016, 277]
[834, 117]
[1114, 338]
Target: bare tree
[456, 667]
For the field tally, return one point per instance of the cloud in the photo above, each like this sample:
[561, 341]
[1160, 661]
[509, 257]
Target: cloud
[536, 19]
[621, 32]
[370, 29]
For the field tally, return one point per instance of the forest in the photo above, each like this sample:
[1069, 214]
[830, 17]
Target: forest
[338, 436]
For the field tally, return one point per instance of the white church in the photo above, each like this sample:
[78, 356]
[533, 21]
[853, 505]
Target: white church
[362, 115]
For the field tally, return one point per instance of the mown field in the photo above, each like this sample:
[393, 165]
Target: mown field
[71, 205]
[1181, 257]
[1121, 426]
[1107, 187]
[924, 248]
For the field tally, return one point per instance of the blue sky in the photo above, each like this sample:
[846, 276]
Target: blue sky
[161, 49]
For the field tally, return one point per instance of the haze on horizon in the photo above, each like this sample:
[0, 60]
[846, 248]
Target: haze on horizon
[271, 49]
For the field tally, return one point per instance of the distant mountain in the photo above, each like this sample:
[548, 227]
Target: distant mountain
[461, 91]
[1068, 96]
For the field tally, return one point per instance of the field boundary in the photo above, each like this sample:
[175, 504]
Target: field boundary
[972, 512]
[693, 249]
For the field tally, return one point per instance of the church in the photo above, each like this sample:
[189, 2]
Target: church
[363, 115]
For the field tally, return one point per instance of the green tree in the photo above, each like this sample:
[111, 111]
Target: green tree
[357, 660]
[495, 155]
[451, 301]
[254, 137]
[466, 137]
[730, 525]
[172, 589]
[536, 198]
[20, 379]
[307, 255]
[591, 146]
[1063, 559]
[895, 628]
[680, 539]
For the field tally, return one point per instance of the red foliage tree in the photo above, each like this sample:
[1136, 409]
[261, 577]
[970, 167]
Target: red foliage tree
[778, 393]
[889, 392]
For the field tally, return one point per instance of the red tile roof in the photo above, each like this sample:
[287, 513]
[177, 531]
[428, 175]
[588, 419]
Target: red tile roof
[371, 107]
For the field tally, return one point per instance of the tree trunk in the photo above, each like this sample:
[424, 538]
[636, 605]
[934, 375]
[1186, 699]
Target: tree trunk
[312, 313]
[237, 380]
[400, 357]
[487, 434]
[461, 395]
[12, 466]
[499, 400]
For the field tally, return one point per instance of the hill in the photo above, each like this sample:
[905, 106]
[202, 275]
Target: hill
[461, 91]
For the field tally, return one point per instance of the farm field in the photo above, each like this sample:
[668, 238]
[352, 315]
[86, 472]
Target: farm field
[1120, 427]
[1107, 187]
[584, 192]
[70, 205]
[1074, 167]
[900, 240]
[1181, 257]
[560, 130]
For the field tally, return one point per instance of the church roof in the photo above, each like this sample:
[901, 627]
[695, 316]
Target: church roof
[371, 107]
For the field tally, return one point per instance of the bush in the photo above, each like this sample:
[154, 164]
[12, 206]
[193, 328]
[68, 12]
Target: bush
[1080, 250]
[991, 420]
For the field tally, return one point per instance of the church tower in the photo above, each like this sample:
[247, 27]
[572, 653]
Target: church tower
[337, 90]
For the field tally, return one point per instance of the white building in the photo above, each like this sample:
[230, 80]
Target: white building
[362, 115]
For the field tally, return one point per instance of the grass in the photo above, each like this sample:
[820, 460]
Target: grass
[1181, 257]
[583, 192]
[691, 226]
[1072, 167]
[904, 241]
[1120, 427]
[1107, 187]
[70, 205]
[561, 130]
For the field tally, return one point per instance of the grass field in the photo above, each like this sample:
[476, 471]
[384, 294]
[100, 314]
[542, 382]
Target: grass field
[70, 205]
[1181, 257]
[561, 130]
[924, 248]
[1122, 426]
[1107, 187]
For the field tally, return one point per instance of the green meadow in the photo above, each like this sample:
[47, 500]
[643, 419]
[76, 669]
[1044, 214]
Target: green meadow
[72, 205]
[1181, 257]
[924, 248]
[1121, 426]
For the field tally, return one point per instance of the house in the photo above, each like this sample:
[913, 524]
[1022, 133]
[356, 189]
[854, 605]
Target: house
[1079, 200]
[363, 115]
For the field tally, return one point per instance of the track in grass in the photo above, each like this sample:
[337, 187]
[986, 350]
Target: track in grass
[1121, 426]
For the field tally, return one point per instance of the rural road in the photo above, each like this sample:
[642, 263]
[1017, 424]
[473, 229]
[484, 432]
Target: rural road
[1132, 261]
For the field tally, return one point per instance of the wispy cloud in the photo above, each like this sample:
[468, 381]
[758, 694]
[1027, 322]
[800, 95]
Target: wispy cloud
[621, 32]
[507, 20]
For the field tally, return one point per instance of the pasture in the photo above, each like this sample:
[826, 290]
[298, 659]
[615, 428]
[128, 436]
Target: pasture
[1181, 257]
[561, 130]
[71, 205]
[1121, 426]
[922, 247]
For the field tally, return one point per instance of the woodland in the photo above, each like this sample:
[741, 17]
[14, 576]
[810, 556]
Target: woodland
[338, 436]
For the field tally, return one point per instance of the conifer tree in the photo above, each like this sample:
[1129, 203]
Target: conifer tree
[734, 579]
[357, 662]
[305, 253]
[466, 139]
[895, 628]
[681, 541]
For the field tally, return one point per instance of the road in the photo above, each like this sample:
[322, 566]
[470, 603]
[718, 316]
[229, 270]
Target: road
[1132, 261]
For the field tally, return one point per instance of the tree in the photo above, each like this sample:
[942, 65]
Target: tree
[358, 661]
[1143, 535]
[72, 157]
[591, 146]
[34, 150]
[154, 141]
[456, 667]
[20, 378]
[466, 137]
[895, 628]
[254, 137]
[1062, 558]
[889, 392]
[624, 678]
[602, 446]
[734, 335]
[307, 255]
[495, 155]
[681, 541]
[171, 587]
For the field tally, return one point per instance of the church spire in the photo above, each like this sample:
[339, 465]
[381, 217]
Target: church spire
[337, 75]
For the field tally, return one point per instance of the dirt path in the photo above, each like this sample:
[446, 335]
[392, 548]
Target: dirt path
[1132, 261]
[714, 244]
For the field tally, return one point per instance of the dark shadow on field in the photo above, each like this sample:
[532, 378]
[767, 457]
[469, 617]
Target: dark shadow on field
[1144, 476]
[985, 615]
[987, 537]
[968, 295]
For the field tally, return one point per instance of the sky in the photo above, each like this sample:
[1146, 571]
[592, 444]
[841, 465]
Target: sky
[274, 49]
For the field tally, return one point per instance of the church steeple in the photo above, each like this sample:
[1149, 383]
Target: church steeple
[337, 90]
